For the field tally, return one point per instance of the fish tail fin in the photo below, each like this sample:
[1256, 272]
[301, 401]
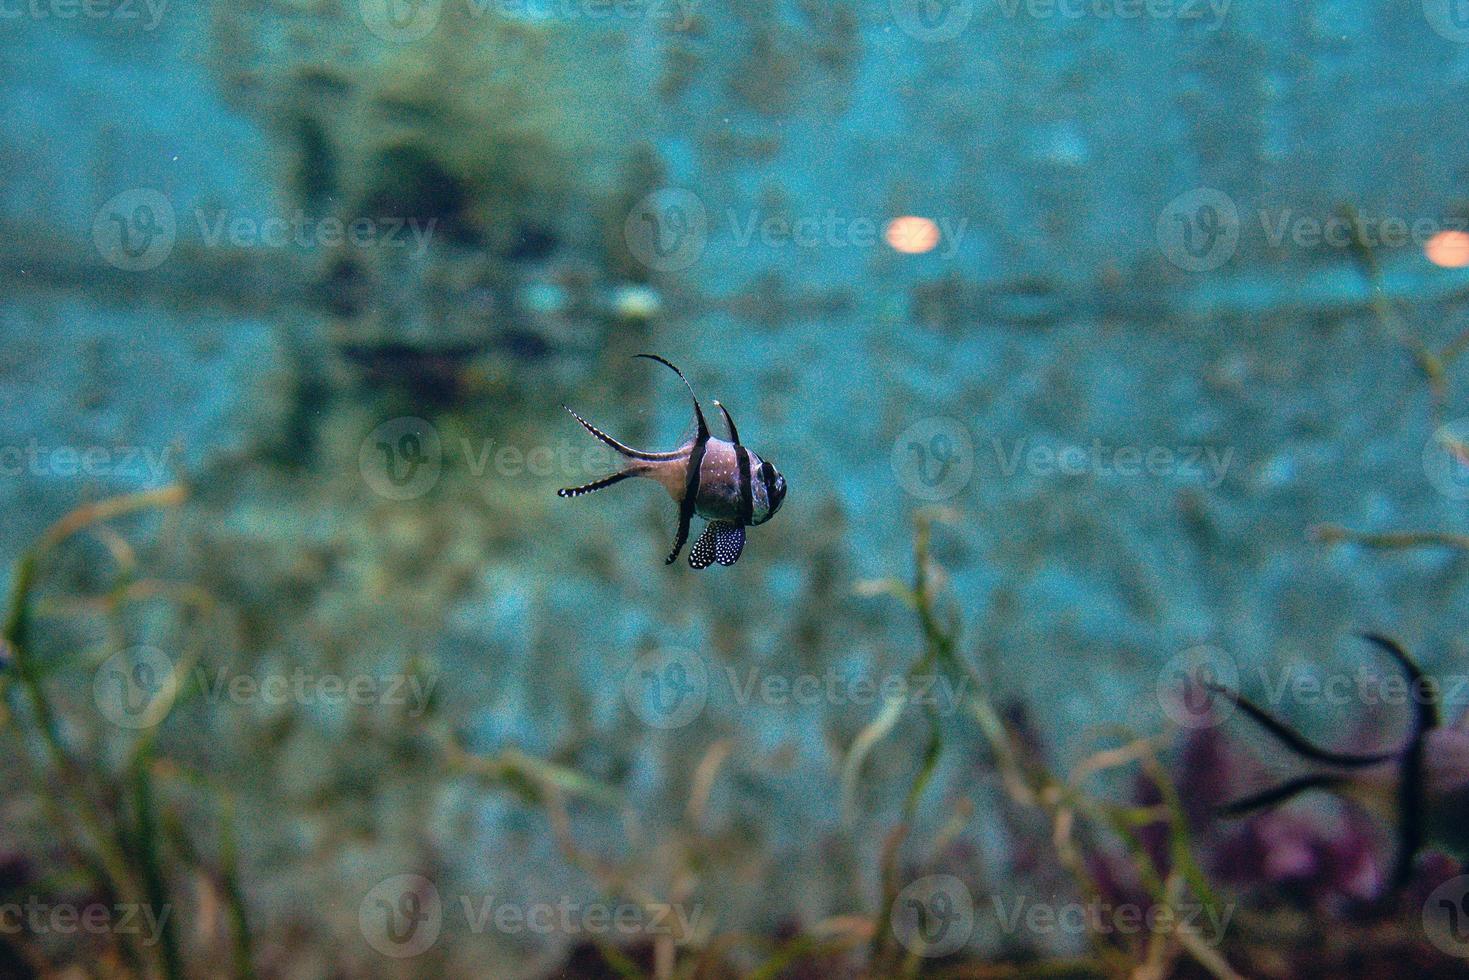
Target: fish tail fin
[1293, 740]
[1284, 793]
[624, 450]
[1410, 801]
[601, 484]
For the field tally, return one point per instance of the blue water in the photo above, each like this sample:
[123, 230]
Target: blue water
[1166, 356]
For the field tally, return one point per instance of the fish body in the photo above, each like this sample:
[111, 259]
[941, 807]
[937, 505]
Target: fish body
[717, 479]
[1446, 778]
[1422, 785]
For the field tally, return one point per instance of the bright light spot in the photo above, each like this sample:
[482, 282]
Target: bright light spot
[1449, 249]
[911, 235]
[636, 302]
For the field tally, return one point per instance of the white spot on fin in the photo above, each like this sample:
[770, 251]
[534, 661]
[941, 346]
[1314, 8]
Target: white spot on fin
[721, 542]
[731, 542]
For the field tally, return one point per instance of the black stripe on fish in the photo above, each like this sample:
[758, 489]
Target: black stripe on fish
[690, 494]
[696, 457]
[1410, 812]
[1410, 779]
[596, 485]
[747, 498]
[627, 451]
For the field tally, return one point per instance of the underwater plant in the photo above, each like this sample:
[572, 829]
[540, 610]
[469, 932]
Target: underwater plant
[159, 832]
[1107, 847]
[129, 821]
[1434, 364]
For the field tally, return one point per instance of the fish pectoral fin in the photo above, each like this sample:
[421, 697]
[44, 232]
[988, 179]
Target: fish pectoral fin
[722, 542]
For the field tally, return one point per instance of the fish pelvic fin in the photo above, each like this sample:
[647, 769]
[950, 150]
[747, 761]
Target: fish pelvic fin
[627, 451]
[722, 542]
[703, 433]
[685, 515]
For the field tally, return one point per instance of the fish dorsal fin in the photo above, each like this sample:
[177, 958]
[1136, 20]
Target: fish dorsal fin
[1425, 699]
[703, 427]
[734, 434]
[722, 541]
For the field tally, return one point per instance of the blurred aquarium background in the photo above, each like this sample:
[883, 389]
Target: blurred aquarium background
[1110, 349]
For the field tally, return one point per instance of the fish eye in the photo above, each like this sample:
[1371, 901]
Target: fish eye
[775, 484]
